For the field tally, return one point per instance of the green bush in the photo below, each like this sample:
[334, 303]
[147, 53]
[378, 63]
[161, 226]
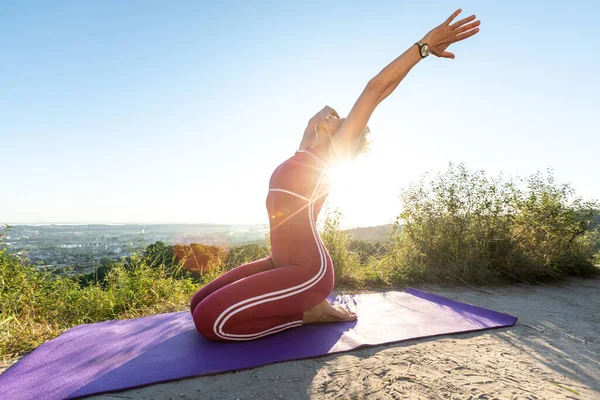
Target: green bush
[462, 226]
[36, 306]
[336, 241]
[244, 254]
[350, 272]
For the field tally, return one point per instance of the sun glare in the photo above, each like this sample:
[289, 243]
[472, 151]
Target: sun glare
[353, 189]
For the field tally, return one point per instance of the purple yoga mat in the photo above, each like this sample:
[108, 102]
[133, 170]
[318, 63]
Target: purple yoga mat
[123, 354]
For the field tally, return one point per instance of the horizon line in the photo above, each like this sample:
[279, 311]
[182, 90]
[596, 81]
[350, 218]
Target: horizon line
[125, 223]
[347, 226]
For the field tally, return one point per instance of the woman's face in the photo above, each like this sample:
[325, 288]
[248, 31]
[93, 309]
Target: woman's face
[329, 126]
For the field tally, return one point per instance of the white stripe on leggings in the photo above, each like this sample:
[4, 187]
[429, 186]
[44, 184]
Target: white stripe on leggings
[228, 313]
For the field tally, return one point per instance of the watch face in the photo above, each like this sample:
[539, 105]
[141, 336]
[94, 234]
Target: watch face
[425, 50]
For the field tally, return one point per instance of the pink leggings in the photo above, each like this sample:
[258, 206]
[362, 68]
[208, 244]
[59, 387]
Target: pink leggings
[257, 299]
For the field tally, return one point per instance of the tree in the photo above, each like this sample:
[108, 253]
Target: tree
[199, 258]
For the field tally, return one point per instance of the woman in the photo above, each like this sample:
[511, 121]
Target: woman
[289, 288]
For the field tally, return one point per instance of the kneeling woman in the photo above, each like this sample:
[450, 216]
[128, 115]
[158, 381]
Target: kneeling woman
[289, 288]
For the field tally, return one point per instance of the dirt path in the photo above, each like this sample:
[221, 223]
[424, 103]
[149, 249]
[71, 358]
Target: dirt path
[552, 353]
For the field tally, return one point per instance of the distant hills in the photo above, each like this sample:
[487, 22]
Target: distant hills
[371, 233]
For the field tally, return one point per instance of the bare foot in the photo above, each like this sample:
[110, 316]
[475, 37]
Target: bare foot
[324, 312]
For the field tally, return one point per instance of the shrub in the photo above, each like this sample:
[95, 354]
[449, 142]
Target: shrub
[239, 255]
[198, 257]
[464, 226]
[36, 306]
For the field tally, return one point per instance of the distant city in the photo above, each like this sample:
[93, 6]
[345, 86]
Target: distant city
[83, 246]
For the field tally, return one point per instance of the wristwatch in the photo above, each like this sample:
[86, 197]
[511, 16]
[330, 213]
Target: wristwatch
[423, 49]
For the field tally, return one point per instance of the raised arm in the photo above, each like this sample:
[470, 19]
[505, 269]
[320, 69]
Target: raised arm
[386, 81]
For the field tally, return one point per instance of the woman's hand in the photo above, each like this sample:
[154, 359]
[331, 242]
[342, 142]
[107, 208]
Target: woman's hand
[440, 37]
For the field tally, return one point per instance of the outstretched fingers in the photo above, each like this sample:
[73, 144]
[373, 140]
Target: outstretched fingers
[454, 15]
[465, 35]
[461, 29]
[462, 22]
[467, 27]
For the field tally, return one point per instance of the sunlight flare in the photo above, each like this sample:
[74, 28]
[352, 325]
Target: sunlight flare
[355, 185]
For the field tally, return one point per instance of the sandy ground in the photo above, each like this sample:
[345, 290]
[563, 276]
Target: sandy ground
[552, 353]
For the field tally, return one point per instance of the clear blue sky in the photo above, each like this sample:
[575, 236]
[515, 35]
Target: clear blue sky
[156, 111]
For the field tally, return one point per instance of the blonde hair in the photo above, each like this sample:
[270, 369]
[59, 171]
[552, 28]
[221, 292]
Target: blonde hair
[363, 144]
